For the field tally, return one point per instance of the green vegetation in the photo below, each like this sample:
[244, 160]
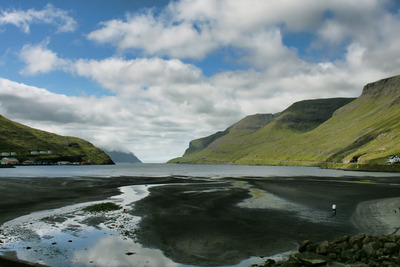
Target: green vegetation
[323, 132]
[102, 207]
[23, 140]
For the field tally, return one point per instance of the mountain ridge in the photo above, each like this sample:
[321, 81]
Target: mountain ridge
[363, 130]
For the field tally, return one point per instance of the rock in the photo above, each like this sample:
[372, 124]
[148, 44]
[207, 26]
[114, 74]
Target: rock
[324, 248]
[332, 256]
[369, 249]
[390, 248]
[357, 240]
[303, 246]
[342, 239]
[269, 263]
[347, 256]
[360, 250]
[293, 261]
[312, 259]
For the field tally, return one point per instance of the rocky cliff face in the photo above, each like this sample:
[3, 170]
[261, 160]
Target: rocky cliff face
[388, 86]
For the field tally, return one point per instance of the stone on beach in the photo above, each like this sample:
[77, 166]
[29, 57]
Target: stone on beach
[360, 250]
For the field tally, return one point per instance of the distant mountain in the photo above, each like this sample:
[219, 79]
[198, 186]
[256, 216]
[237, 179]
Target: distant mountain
[365, 130]
[28, 144]
[117, 156]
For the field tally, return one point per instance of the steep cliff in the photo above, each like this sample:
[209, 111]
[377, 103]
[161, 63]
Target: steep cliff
[365, 130]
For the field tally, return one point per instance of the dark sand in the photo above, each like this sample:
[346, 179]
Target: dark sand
[200, 223]
[21, 196]
[208, 228]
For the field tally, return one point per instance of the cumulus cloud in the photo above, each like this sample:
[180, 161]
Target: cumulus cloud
[48, 15]
[136, 76]
[193, 29]
[39, 59]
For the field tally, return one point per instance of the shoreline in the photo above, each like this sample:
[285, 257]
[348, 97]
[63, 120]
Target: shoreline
[378, 217]
[395, 168]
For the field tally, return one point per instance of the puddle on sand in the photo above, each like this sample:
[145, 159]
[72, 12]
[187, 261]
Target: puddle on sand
[72, 237]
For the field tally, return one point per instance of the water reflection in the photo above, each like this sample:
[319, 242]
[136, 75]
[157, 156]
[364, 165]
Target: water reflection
[72, 237]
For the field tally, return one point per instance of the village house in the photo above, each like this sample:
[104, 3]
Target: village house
[9, 161]
[7, 154]
[393, 159]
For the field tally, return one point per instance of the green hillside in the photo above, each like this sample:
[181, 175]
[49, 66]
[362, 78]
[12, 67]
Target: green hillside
[23, 140]
[364, 131]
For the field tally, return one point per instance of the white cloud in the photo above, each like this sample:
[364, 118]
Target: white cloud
[135, 77]
[39, 59]
[48, 15]
[193, 29]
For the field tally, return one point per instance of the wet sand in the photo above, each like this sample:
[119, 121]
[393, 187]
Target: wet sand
[377, 217]
[220, 221]
[21, 196]
[203, 224]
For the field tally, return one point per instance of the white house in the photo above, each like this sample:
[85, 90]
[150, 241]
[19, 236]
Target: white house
[393, 159]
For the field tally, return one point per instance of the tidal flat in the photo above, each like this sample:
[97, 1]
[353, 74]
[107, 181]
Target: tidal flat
[184, 220]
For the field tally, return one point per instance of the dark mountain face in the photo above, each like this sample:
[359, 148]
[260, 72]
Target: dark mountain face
[117, 156]
[308, 114]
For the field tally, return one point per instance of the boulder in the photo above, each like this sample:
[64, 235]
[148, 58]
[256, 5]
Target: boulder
[390, 248]
[312, 259]
[324, 248]
[369, 249]
[303, 246]
[357, 240]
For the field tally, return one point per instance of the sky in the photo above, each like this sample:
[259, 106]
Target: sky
[149, 76]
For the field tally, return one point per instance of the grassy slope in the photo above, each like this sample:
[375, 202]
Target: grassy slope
[15, 137]
[366, 131]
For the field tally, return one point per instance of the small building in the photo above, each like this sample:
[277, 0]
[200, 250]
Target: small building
[30, 162]
[13, 153]
[34, 152]
[393, 159]
[9, 161]
[64, 163]
[5, 154]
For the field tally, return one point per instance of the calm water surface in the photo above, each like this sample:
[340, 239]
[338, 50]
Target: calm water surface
[156, 169]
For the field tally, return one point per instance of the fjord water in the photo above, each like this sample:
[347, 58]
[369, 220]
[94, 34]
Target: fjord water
[70, 237]
[195, 170]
